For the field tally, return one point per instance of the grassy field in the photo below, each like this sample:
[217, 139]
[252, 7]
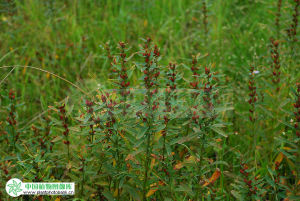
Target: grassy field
[219, 124]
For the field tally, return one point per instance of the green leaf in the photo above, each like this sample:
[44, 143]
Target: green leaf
[141, 133]
[236, 195]
[223, 109]
[108, 195]
[183, 139]
[58, 138]
[186, 189]
[219, 131]
[220, 163]
[266, 111]
[132, 191]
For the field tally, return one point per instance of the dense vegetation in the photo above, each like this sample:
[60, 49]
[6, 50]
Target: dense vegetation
[151, 99]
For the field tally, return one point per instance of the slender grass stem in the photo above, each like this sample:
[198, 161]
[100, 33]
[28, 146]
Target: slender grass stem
[148, 146]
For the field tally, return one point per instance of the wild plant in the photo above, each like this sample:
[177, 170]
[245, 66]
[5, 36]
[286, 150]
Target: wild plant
[292, 30]
[65, 123]
[170, 118]
[253, 98]
[207, 118]
[12, 129]
[247, 185]
[275, 66]
[150, 69]
[277, 19]
[90, 113]
[205, 21]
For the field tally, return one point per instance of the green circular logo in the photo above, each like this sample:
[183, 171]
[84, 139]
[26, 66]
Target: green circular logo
[14, 187]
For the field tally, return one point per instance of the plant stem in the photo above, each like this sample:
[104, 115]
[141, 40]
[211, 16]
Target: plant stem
[254, 142]
[147, 161]
[201, 150]
[82, 183]
[148, 146]
[118, 168]
[14, 140]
